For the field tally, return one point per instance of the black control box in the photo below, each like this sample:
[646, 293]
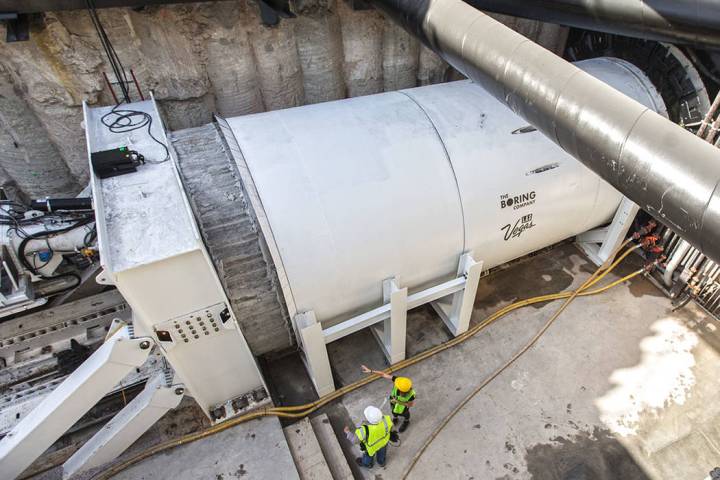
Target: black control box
[118, 161]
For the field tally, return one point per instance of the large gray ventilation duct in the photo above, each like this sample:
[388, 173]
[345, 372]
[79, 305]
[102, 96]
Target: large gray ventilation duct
[666, 170]
[695, 22]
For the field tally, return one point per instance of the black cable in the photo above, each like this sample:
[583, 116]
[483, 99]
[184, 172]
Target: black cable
[122, 120]
[113, 58]
[14, 204]
[52, 254]
[90, 236]
[63, 290]
[127, 120]
[45, 234]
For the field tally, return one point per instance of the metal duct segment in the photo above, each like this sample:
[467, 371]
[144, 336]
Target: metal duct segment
[695, 22]
[401, 184]
[668, 171]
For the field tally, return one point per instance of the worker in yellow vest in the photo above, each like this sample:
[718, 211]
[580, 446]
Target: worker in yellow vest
[402, 396]
[372, 437]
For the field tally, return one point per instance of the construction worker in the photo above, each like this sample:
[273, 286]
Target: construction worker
[402, 396]
[372, 437]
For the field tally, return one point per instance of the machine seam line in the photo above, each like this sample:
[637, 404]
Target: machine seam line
[557, 104]
[625, 142]
[220, 129]
[452, 167]
[707, 206]
[642, 81]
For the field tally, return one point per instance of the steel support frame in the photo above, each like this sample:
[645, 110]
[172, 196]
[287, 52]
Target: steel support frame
[456, 310]
[159, 396]
[390, 333]
[316, 357]
[71, 400]
[600, 243]
[453, 300]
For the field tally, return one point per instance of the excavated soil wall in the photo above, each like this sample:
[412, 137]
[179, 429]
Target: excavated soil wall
[197, 59]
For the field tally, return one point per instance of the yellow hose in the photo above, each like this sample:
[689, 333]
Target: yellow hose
[300, 411]
[589, 282]
[455, 341]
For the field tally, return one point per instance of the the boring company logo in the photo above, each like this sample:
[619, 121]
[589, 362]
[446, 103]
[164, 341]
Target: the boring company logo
[517, 202]
[521, 225]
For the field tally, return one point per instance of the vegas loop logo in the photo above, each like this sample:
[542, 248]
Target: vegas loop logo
[521, 225]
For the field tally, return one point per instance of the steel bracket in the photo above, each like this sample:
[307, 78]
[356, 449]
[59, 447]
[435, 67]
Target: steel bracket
[316, 357]
[456, 309]
[600, 243]
[390, 333]
[453, 300]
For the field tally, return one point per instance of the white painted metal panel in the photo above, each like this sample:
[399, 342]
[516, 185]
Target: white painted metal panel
[144, 214]
[355, 191]
[521, 192]
[401, 184]
[152, 252]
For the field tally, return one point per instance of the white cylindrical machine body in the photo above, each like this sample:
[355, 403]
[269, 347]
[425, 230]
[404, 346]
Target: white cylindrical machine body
[401, 184]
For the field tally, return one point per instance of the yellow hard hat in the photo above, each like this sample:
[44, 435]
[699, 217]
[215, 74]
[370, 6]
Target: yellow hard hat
[403, 384]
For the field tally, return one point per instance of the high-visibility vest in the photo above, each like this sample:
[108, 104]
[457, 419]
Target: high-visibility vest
[374, 437]
[403, 397]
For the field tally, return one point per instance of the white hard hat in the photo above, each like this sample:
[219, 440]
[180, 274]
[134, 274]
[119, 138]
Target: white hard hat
[373, 415]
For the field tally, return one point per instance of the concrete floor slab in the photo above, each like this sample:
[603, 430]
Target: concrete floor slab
[253, 450]
[306, 452]
[331, 449]
[619, 387]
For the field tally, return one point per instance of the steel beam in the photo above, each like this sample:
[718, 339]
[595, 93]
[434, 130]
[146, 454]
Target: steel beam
[457, 309]
[37, 6]
[279, 8]
[382, 313]
[316, 357]
[600, 244]
[70, 400]
[663, 168]
[392, 332]
[158, 397]
[694, 22]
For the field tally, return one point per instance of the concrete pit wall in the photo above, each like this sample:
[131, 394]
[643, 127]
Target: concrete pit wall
[197, 59]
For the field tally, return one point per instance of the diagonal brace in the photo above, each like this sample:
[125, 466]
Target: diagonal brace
[71, 400]
[158, 397]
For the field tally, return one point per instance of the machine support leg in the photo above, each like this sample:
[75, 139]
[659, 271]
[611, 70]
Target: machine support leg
[71, 400]
[456, 309]
[316, 356]
[158, 397]
[392, 332]
[600, 243]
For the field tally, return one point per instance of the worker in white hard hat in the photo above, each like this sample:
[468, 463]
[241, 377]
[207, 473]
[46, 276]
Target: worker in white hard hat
[372, 437]
[402, 396]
